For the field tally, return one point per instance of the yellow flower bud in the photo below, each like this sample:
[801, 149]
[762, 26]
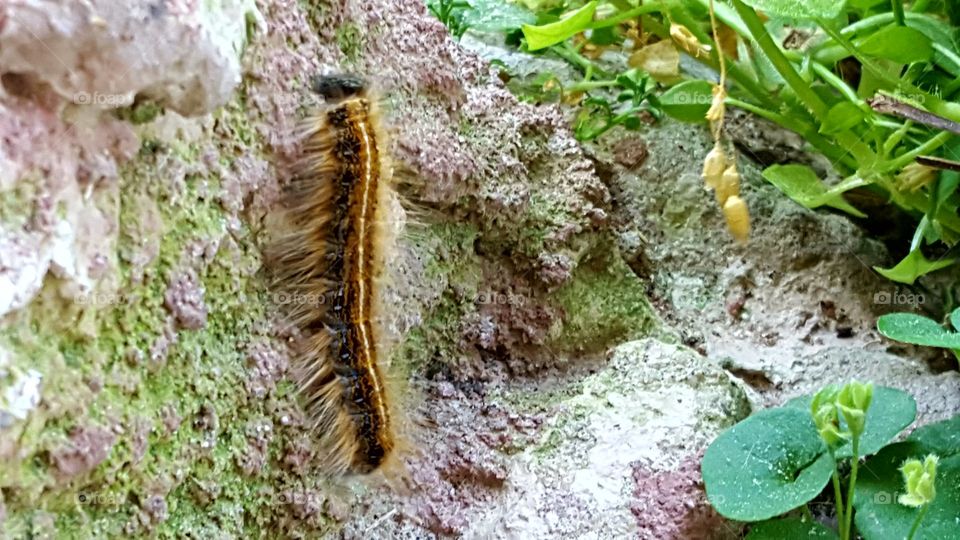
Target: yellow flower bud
[713, 166]
[729, 184]
[717, 106]
[738, 218]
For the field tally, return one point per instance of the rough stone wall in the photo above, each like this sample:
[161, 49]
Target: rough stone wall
[142, 367]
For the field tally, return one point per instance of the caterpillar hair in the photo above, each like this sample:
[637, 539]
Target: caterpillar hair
[328, 265]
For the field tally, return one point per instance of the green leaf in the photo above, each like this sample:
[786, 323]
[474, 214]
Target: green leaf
[939, 32]
[841, 117]
[496, 16]
[955, 319]
[918, 330]
[801, 184]
[879, 516]
[798, 9]
[890, 411]
[688, 101]
[913, 266]
[768, 464]
[541, 37]
[898, 43]
[604, 36]
[790, 529]
[941, 438]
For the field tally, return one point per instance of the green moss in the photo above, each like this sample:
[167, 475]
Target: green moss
[16, 205]
[449, 260]
[140, 112]
[316, 12]
[350, 40]
[604, 304]
[542, 216]
[205, 368]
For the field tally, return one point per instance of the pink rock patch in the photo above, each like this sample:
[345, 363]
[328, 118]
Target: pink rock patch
[88, 447]
[184, 300]
[672, 505]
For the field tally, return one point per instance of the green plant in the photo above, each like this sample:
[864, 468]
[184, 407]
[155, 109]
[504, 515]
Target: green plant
[450, 13]
[870, 84]
[770, 466]
[598, 115]
[481, 15]
[920, 330]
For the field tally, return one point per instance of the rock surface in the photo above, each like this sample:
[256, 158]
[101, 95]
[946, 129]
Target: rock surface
[790, 312]
[143, 368]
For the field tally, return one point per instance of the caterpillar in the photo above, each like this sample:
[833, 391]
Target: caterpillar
[327, 266]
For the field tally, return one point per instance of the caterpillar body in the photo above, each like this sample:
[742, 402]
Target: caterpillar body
[328, 262]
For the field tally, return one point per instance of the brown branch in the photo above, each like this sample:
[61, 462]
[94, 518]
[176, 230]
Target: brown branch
[939, 163]
[888, 105]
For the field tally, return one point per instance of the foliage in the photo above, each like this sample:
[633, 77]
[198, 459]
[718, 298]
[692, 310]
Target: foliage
[778, 460]
[450, 13]
[871, 85]
[919, 330]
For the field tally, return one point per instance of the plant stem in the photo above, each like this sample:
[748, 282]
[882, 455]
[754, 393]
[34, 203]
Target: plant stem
[948, 54]
[577, 60]
[808, 132]
[801, 88]
[727, 16]
[779, 61]
[649, 7]
[839, 84]
[930, 145]
[895, 139]
[583, 86]
[916, 522]
[897, 6]
[743, 80]
[838, 495]
[875, 21]
[933, 103]
[854, 466]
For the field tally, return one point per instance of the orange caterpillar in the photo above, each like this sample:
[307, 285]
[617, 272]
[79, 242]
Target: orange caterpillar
[328, 263]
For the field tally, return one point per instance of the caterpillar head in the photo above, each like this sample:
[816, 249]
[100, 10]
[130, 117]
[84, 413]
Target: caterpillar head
[339, 86]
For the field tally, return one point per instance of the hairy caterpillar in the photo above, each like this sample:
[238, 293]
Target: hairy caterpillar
[328, 263]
